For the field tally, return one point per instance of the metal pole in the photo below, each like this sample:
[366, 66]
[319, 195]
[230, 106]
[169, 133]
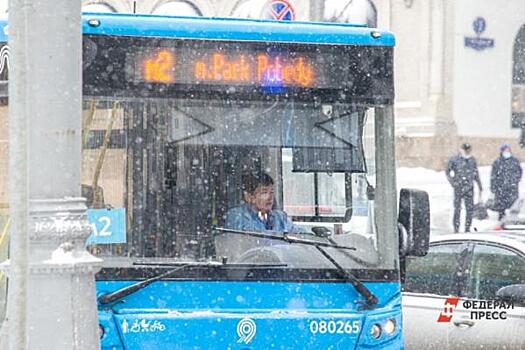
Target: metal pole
[19, 17]
[51, 302]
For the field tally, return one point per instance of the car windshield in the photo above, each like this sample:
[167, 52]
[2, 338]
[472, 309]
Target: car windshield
[174, 172]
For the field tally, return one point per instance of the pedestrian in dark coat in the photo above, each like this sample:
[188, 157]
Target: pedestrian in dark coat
[462, 172]
[505, 179]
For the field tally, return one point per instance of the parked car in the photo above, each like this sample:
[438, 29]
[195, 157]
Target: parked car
[473, 267]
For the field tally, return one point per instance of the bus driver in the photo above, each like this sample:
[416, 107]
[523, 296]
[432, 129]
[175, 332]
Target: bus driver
[256, 213]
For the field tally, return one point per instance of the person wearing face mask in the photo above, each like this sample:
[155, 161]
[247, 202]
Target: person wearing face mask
[256, 213]
[505, 178]
[462, 172]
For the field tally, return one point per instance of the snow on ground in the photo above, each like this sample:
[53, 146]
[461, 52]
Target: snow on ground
[441, 196]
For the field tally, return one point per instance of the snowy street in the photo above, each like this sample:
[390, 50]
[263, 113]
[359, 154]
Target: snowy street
[441, 197]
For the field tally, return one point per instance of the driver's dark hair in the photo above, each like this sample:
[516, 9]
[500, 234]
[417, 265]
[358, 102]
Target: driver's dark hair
[252, 180]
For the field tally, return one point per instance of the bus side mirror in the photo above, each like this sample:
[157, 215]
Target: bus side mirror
[413, 222]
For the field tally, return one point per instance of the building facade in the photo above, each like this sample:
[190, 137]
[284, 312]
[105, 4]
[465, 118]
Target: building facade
[459, 65]
[459, 76]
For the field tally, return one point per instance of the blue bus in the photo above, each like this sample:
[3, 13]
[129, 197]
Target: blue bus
[184, 121]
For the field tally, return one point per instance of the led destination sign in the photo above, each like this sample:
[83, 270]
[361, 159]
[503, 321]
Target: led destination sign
[263, 70]
[169, 67]
[185, 66]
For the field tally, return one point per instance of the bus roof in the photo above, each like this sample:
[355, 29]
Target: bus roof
[214, 28]
[233, 29]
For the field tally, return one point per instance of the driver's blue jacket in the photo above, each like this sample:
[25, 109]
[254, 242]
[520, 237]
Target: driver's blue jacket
[245, 218]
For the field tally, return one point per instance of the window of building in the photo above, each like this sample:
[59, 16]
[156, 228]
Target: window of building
[177, 8]
[518, 76]
[351, 11]
[518, 81]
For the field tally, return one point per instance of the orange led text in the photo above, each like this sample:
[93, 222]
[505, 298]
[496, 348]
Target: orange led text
[160, 68]
[223, 68]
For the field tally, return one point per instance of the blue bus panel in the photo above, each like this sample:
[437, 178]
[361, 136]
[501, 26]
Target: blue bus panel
[249, 315]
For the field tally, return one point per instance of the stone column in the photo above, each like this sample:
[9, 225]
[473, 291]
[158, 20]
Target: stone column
[51, 301]
[441, 81]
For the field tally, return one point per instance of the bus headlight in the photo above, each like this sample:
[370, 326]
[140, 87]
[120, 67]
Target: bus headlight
[390, 326]
[375, 331]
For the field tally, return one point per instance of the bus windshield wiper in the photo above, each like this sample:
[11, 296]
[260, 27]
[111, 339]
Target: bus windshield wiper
[370, 298]
[125, 291]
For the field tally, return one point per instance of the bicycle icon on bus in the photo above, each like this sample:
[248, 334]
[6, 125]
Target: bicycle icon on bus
[142, 326]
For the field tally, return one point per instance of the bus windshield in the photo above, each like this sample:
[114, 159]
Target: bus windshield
[179, 169]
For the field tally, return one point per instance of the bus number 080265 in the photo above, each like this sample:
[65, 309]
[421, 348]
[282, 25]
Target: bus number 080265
[334, 327]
